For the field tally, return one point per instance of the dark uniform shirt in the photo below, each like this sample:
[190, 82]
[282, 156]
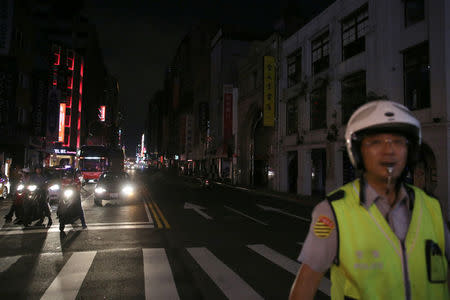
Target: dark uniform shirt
[319, 252]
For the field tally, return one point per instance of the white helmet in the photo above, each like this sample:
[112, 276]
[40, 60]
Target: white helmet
[377, 117]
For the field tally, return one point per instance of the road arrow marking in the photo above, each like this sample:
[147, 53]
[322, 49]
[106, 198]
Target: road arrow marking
[197, 209]
[268, 208]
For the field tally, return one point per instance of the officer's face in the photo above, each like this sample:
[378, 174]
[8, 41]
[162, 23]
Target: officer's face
[383, 151]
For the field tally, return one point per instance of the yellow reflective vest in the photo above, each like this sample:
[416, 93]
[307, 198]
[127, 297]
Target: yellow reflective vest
[372, 263]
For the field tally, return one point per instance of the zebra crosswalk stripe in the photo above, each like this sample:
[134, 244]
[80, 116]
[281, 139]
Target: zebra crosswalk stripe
[288, 264]
[68, 282]
[6, 262]
[233, 286]
[159, 282]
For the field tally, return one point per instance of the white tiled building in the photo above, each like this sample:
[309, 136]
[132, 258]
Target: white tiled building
[354, 51]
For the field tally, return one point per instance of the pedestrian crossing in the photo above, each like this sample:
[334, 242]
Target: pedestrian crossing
[152, 273]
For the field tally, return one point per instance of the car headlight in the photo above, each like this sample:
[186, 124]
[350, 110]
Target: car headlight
[32, 187]
[128, 190]
[20, 187]
[68, 193]
[54, 187]
[99, 190]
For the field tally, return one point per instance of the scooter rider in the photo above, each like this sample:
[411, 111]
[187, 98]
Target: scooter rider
[38, 178]
[20, 177]
[381, 238]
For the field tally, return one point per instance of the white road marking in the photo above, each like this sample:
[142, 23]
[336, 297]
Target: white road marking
[242, 214]
[288, 264]
[159, 282]
[241, 188]
[55, 228]
[233, 286]
[280, 211]
[197, 209]
[68, 282]
[6, 262]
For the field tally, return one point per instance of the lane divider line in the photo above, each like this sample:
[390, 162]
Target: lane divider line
[242, 214]
[149, 216]
[158, 222]
[161, 215]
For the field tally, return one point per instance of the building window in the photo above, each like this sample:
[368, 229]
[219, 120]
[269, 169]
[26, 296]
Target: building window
[354, 29]
[416, 70]
[318, 108]
[294, 68]
[414, 11]
[70, 60]
[292, 117]
[320, 53]
[353, 89]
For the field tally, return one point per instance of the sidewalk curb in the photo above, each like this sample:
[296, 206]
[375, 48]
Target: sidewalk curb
[306, 201]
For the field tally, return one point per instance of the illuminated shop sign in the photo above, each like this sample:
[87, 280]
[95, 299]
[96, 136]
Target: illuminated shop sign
[64, 151]
[62, 118]
[102, 113]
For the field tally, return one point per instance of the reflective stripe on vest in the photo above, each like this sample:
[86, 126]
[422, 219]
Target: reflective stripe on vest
[371, 257]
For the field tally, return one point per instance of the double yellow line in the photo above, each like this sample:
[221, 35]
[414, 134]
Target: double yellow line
[157, 214]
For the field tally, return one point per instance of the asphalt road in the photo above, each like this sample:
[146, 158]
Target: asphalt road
[174, 241]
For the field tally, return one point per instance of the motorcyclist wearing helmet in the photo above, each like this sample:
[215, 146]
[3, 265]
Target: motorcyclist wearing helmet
[381, 238]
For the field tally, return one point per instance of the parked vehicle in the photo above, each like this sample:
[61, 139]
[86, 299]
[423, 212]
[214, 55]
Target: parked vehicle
[205, 183]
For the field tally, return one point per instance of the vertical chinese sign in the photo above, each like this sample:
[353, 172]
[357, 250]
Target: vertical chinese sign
[227, 112]
[269, 91]
[102, 113]
[62, 120]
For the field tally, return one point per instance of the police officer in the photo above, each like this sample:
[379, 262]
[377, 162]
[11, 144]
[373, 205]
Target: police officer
[381, 238]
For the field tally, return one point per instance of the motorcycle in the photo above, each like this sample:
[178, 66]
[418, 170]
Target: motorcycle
[17, 206]
[69, 206]
[33, 195]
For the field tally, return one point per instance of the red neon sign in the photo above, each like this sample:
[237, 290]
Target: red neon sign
[70, 82]
[57, 58]
[62, 117]
[70, 60]
[102, 113]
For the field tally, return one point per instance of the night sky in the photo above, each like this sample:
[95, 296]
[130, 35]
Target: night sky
[139, 38]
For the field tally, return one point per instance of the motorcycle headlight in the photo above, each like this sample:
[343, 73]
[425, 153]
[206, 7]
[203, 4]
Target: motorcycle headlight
[32, 187]
[20, 187]
[68, 193]
[128, 190]
[100, 190]
[54, 187]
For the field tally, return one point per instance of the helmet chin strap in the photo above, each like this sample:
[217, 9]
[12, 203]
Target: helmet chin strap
[388, 187]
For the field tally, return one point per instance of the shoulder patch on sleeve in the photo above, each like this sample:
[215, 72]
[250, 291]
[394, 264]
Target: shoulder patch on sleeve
[336, 195]
[323, 227]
